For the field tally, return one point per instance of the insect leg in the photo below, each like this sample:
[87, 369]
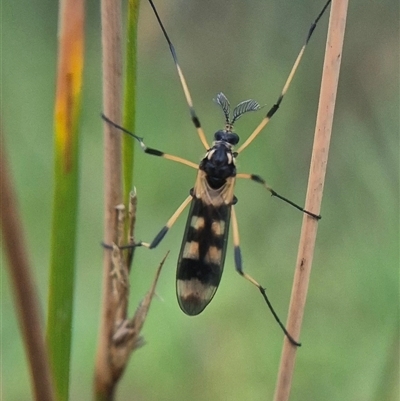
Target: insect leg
[239, 269]
[169, 224]
[189, 101]
[275, 107]
[162, 232]
[260, 180]
[151, 151]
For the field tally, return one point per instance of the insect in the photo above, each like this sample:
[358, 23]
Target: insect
[212, 200]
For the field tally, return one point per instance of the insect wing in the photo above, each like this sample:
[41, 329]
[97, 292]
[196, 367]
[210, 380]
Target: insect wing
[202, 255]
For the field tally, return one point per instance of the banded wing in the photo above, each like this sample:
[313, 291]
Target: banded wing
[203, 250]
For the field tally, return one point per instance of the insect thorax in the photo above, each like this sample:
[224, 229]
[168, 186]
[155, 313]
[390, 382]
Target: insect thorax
[218, 164]
[219, 161]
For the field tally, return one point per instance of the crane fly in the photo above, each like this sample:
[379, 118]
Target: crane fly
[212, 200]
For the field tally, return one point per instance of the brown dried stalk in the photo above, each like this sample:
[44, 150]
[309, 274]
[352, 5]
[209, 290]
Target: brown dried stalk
[112, 72]
[26, 297]
[119, 334]
[124, 333]
[330, 78]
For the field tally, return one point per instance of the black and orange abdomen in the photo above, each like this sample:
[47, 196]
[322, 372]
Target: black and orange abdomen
[202, 255]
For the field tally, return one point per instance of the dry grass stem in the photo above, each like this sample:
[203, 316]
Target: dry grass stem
[330, 78]
[125, 334]
[26, 297]
[119, 335]
[105, 378]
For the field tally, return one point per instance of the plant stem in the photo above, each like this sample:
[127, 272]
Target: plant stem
[66, 192]
[26, 297]
[112, 73]
[330, 78]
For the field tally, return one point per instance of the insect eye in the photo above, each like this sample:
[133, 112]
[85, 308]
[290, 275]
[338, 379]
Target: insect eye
[220, 136]
[229, 137]
[233, 138]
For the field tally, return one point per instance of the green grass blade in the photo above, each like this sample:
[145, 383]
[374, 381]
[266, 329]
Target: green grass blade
[65, 202]
[130, 95]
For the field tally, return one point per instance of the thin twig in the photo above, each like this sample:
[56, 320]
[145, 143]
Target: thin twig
[131, 226]
[26, 297]
[330, 78]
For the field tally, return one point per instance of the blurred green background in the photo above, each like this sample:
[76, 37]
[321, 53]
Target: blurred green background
[245, 49]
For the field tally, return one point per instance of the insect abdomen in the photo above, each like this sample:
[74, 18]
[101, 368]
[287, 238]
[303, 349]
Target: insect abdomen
[202, 255]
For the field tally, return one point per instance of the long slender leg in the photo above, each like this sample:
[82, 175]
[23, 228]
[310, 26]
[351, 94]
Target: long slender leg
[260, 180]
[275, 107]
[169, 224]
[239, 269]
[189, 101]
[151, 151]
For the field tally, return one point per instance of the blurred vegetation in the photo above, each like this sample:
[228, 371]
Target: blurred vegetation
[231, 351]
